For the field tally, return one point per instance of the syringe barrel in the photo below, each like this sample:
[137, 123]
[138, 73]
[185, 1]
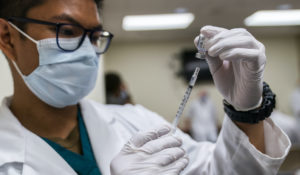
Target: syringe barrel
[185, 99]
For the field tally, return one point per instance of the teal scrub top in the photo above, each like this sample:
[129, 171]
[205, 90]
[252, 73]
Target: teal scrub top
[83, 164]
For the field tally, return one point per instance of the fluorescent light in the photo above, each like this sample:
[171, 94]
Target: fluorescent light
[274, 18]
[158, 22]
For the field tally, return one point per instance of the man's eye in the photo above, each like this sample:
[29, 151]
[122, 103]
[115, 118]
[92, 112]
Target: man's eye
[67, 32]
[94, 39]
[70, 31]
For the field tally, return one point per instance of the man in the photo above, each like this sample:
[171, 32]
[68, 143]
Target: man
[52, 47]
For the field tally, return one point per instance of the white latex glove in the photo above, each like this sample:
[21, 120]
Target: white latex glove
[150, 153]
[237, 61]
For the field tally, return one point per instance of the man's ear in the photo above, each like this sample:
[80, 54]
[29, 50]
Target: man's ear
[6, 41]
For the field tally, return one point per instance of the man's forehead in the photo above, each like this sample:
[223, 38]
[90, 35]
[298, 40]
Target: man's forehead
[84, 12]
[67, 18]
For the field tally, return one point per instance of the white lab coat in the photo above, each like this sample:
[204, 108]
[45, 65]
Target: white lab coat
[109, 128]
[203, 120]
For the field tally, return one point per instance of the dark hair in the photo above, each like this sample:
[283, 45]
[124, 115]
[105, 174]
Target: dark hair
[19, 8]
[112, 82]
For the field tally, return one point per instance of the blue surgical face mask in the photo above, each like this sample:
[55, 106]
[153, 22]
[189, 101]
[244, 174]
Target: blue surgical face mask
[62, 78]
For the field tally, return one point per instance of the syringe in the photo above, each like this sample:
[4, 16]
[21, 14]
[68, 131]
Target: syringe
[185, 99]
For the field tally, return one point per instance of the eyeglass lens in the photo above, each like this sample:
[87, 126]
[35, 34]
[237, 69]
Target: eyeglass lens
[70, 37]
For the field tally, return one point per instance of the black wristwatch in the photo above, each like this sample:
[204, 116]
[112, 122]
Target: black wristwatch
[255, 115]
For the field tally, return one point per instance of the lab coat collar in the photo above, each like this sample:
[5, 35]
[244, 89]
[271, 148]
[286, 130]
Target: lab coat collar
[106, 116]
[11, 132]
[100, 125]
[27, 147]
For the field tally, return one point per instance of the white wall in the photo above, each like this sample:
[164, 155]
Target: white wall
[145, 67]
[282, 71]
[6, 84]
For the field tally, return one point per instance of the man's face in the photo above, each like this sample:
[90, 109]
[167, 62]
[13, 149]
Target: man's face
[80, 12]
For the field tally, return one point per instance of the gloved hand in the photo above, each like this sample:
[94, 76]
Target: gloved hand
[150, 153]
[237, 61]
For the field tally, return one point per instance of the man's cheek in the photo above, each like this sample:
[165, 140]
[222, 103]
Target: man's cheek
[28, 58]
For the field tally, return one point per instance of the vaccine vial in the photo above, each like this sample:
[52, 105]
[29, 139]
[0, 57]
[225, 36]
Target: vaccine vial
[200, 46]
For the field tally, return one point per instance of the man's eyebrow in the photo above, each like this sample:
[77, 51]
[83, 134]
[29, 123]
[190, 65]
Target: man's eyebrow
[68, 18]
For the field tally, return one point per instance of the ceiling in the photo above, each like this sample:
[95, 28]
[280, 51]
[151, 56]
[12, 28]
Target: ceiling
[223, 13]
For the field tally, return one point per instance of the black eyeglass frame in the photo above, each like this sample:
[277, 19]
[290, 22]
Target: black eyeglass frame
[59, 25]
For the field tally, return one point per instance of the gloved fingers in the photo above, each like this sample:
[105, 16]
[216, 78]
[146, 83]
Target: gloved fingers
[167, 156]
[233, 33]
[176, 167]
[160, 144]
[240, 53]
[232, 42]
[141, 138]
[208, 32]
[211, 31]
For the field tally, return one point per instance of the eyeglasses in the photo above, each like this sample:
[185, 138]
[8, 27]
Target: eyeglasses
[99, 38]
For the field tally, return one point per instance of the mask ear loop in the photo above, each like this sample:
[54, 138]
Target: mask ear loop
[18, 70]
[23, 33]
[27, 36]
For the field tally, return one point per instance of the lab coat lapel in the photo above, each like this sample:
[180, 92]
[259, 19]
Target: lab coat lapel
[11, 132]
[103, 137]
[42, 159]
[28, 149]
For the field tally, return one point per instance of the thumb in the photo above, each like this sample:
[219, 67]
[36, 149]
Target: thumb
[143, 137]
[210, 31]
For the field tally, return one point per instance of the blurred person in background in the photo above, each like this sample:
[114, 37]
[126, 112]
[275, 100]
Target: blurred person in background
[202, 118]
[115, 90]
